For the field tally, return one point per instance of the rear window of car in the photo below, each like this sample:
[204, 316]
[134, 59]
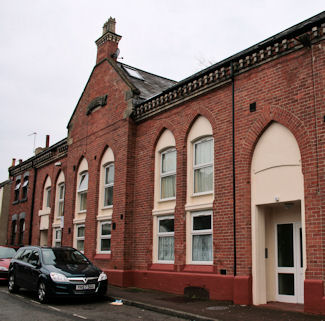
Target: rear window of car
[7, 252]
[63, 256]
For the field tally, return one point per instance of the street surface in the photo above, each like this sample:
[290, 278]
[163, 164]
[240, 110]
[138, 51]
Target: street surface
[24, 307]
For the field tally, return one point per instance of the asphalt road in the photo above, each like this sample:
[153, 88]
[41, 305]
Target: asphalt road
[24, 307]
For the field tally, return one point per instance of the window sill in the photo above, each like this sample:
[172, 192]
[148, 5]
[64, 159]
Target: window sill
[162, 267]
[167, 199]
[103, 256]
[208, 268]
[202, 194]
[107, 207]
[23, 200]
[15, 202]
[82, 212]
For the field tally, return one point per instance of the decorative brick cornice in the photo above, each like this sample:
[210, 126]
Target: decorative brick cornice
[108, 36]
[45, 157]
[295, 38]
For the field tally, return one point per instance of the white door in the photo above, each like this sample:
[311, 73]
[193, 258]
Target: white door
[289, 263]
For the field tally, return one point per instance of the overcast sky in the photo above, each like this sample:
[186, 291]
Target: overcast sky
[48, 51]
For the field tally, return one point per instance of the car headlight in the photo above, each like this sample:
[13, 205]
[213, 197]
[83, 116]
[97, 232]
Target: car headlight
[102, 277]
[58, 277]
[2, 268]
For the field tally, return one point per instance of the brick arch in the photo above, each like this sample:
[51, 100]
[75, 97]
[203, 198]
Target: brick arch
[58, 173]
[158, 131]
[81, 158]
[243, 172]
[283, 117]
[106, 147]
[43, 185]
[45, 179]
[194, 115]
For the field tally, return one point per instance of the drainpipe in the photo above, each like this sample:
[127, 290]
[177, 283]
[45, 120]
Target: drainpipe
[233, 165]
[32, 207]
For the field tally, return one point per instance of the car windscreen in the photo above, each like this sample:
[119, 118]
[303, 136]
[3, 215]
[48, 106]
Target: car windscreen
[59, 256]
[7, 252]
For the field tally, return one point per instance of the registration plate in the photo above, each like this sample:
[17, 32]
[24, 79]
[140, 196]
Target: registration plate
[85, 286]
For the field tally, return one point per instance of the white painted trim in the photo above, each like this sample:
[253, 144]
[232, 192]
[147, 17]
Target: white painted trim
[79, 221]
[46, 211]
[198, 207]
[103, 217]
[163, 212]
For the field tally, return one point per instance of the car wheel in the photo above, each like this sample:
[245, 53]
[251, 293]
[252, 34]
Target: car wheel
[12, 287]
[42, 292]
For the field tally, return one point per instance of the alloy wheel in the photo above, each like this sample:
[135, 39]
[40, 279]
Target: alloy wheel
[42, 292]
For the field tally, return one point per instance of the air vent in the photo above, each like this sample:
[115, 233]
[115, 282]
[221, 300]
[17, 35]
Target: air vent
[252, 107]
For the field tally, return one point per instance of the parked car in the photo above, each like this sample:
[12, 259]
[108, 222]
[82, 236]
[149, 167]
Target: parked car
[6, 254]
[55, 271]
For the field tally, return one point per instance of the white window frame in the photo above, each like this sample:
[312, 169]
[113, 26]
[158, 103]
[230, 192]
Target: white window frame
[80, 238]
[104, 237]
[167, 174]
[57, 241]
[202, 232]
[108, 185]
[25, 187]
[82, 191]
[48, 197]
[204, 165]
[17, 188]
[60, 203]
[165, 234]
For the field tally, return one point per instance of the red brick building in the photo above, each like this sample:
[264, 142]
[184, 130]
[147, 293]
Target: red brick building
[213, 182]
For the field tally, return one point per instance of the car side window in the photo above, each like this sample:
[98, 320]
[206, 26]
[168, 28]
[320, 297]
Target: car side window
[24, 257]
[19, 254]
[34, 258]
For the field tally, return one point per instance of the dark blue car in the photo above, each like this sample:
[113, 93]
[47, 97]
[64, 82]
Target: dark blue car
[55, 271]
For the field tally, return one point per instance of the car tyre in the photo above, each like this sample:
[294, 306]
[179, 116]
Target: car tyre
[42, 292]
[12, 287]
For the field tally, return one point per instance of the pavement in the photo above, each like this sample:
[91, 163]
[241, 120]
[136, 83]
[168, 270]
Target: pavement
[204, 310]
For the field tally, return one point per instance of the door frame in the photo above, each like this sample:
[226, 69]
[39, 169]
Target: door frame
[297, 269]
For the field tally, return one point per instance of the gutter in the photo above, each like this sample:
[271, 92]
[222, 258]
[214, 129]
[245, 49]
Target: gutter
[32, 207]
[233, 164]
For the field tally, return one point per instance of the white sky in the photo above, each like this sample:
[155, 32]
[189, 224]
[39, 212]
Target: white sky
[47, 51]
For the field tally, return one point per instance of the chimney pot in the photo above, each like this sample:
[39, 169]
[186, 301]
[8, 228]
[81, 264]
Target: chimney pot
[20, 161]
[13, 162]
[109, 25]
[47, 142]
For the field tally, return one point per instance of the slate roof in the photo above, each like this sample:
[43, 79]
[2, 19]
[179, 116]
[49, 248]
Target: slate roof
[150, 85]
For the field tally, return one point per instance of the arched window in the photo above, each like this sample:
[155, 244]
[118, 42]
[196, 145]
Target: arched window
[203, 165]
[82, 191]
[47, 194]
[108, 184]
[165, 198]
[106, 202]
[25, 186]
[200, 193]
[168, 174]
[17, 188]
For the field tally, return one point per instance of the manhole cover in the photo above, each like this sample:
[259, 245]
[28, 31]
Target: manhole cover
[217, 308]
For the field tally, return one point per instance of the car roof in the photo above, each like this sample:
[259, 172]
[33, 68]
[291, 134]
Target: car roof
[47, 247]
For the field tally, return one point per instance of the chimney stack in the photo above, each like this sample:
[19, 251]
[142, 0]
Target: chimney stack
[107, 44]
[47, 142]
[13, 163]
